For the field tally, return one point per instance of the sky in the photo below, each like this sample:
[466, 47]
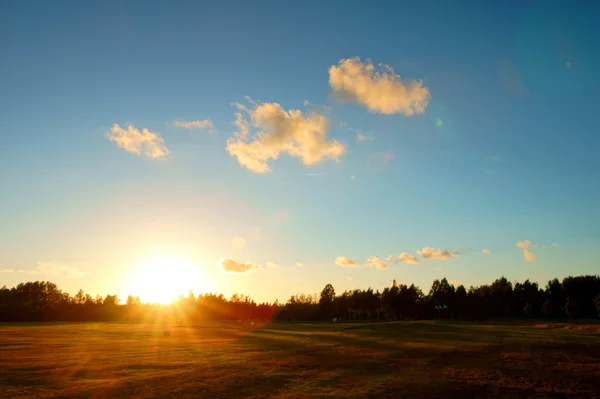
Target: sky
[269, 148]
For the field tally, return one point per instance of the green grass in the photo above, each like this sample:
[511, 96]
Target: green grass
[295, 360]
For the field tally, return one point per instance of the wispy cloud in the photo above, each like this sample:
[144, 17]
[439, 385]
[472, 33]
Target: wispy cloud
[372, 261]
[555, 245]
[138, 142]
[231, 266]
[486, 251]
[56, 269]
[377, 263]
[299, 264]
[271, 264]
[382, 92]
[279, 131]
[529, 257]
[407, 258]
[439, 254]
[454, 282]
[362, 136]
[6, 271]
[196, 124]
[523, 244]
[344, 261]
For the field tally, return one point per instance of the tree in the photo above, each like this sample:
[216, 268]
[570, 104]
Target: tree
[528, 309]
[547, 308]
[597, 303]
[326, 302]
[571, 308]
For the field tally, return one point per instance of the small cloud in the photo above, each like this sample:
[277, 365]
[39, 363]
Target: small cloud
[494, 158]
[197, 124]
[432, 253]
[6, 271]
[344, 261]
[299, 264]
[555, 245]
[407, 258]
[238, 243]
[523, 244]
[454, 282]
[568, 65]
[279, 131]
[545, 246]
[350, 278]
[55, 269]
[487, 170]
[231, 266]
[138, 142]
[382, 92]
[439, 123]
[529, 257]
[361, 136]
[486, 251]
[377, 263]
[342, 124]
[271, 264]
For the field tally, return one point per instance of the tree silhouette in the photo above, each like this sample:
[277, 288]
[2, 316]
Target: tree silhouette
[573, 296]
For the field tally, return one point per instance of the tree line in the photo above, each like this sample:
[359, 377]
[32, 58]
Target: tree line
[573, 297]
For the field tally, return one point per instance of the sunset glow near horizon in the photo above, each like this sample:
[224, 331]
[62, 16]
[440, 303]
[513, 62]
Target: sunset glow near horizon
[153, 148]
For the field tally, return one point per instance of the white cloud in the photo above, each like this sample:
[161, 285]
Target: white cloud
[529, 257]
[197, 124]
[432, 253]
[271, 264]
[555, 245]
[231, 266]
[454, 282]
[6, 270]
[377, 263]
[55, 269]
[486, 251]
[299, 264]
[407, 258]
[545, 246]
[344, 261]
[138, 142]
[280, 131]
[382, 92]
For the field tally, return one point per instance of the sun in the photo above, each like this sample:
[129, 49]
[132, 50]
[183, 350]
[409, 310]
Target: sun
[162, 278]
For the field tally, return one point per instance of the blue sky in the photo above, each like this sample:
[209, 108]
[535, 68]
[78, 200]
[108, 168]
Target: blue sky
[498, 146]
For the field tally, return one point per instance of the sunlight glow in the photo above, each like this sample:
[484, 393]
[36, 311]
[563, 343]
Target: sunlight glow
[164, 277]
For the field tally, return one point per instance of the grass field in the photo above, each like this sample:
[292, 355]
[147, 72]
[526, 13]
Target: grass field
[378, 360]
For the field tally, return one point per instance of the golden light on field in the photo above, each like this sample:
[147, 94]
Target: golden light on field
[162, 278]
